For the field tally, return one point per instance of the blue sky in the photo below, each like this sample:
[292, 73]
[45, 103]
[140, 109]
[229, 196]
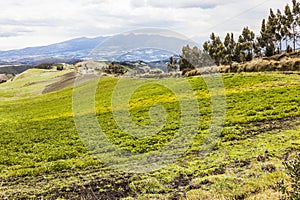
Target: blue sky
[26, 23]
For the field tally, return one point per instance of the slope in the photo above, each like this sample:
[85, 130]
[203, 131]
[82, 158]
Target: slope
[42, 155]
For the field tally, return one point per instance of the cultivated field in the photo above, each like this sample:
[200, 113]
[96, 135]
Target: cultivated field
[43, 157]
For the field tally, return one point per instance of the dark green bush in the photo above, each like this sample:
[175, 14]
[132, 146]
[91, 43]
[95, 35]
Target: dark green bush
[44, 66]
[59, 67]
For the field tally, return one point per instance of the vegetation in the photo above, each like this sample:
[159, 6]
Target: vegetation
[256, 155]
[292, 190]
[42, 156]
[44, 66]
[172, 65]
[114, 68]
[59, 67]
[279, 28]
[285, 64]
[31, 83]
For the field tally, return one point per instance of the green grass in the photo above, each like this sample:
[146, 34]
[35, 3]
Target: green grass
[30, 83]
[39, 143]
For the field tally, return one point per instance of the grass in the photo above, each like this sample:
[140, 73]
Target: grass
[39, 144]
[30, 83]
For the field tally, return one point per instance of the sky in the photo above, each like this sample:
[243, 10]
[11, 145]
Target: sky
[25, 23]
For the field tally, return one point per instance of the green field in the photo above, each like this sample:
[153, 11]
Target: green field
[43, 157]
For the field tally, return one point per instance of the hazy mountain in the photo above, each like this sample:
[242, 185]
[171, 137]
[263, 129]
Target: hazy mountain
[146, 55]
[132, 47]
[75, 48]
[151, 47]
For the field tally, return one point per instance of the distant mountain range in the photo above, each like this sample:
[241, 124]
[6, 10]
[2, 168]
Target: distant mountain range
[146, 47]
[146, 54]
[76, 48]
[123, 47]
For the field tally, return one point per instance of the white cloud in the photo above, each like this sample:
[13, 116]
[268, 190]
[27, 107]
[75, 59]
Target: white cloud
[204, 4]
[8, 34]
[35, 22]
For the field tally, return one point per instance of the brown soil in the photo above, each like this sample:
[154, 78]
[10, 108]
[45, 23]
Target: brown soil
[253, 129]
[66, 80]
[95, 183]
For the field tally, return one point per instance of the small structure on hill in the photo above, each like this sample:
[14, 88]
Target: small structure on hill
[3, 78]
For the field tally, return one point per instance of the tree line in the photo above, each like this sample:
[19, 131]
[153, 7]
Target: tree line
[280, 28]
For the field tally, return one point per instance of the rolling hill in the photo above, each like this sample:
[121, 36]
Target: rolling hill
[42, 156]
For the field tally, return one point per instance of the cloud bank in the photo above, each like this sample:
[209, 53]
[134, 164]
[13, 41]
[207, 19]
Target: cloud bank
[35, 22]
[203, 4]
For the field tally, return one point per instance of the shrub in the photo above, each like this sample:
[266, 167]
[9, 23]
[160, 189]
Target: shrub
[44, 66]
[59, 67]
[291, 190]
[296, 65]
[149, 185]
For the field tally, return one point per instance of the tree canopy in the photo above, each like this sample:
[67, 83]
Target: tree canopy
[279, 29]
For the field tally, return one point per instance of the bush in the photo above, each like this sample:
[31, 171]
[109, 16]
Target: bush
[291, 190]
[44, 66]
[59, 67]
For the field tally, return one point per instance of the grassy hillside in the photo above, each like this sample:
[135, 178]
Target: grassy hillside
[42, 155]
[34, 82]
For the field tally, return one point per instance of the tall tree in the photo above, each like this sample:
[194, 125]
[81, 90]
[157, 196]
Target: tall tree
[262, 39]
[271, 34]
[218, 55]
[246, 41]
[229, 45]
[185, 61]
[277, 28]
[237, 53]
[257, 48]
[292, 21]
[295, 22]
[215, 49]
[288, 23]
[280, 28]
[283, 26]
[192, 58]
[172, 66]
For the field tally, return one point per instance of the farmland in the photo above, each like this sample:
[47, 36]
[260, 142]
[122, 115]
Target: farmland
[43, 156]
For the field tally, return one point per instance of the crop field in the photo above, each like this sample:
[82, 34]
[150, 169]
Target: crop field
[42, 155]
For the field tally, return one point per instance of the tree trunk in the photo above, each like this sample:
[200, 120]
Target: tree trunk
[280, 46]
[294, 38]
[286, 43]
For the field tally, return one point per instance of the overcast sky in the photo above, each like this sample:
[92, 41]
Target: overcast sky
[26, 23]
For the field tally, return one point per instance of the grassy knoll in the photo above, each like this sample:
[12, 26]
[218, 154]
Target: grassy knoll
[33, 82]
[42, 156]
